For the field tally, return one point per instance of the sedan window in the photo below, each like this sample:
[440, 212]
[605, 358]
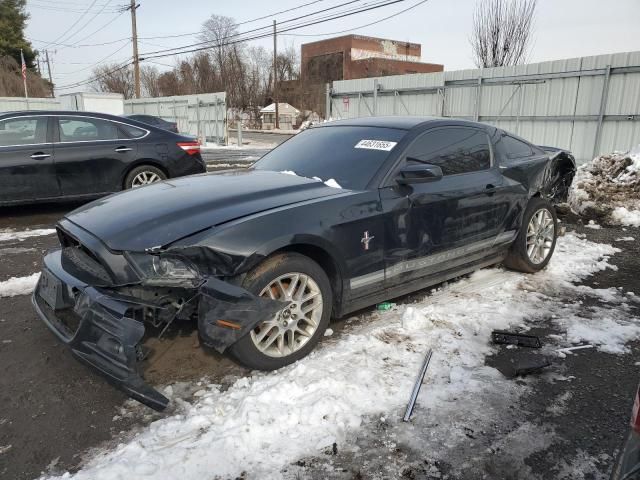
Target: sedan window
[454, 149]
[80, 129]
[23, 131]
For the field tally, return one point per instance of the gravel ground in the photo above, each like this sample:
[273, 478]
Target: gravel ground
[54, 410]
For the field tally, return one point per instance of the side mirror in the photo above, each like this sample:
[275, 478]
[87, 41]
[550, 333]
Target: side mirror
[419, 173]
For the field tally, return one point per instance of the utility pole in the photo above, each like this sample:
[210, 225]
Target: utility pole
[46, 55]
[275, 74]
[134, 40]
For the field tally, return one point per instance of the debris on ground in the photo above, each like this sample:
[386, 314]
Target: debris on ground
[384, 306]
[564, 351]
[512, 338]
[416, 386]
[521, 364]
[608, 189]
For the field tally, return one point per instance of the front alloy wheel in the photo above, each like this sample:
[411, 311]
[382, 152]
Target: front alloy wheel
[289, 335]
[290, 329]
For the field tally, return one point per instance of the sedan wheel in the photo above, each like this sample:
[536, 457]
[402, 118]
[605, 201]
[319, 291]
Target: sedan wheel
[290, 329]
[143, 175]
[145, 178]
[540, 236]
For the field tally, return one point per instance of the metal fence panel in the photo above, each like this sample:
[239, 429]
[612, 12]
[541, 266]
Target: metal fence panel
[10, 104]
[202, 115]
[589, 105]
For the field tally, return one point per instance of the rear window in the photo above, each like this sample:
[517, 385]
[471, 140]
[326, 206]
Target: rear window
[514, 148]
[129, 131]
[350, 155]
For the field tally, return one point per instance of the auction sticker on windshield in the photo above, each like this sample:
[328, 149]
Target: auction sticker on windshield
[376, 145]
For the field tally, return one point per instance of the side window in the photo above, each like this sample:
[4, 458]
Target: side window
[129, 131]
[514, 148]
[454, 149]
[81, 129]
[23, 131]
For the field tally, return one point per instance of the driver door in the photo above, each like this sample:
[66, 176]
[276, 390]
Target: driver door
[444, 223]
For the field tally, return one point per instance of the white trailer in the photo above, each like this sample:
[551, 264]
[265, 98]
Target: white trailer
[112, 103]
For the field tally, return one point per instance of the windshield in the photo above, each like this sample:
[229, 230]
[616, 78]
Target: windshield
[349, 155]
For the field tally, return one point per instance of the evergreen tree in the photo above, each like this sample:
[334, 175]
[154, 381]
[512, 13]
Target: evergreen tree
[13, 17]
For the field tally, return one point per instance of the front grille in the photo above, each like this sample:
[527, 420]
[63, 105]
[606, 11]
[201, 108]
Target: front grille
[84, 262]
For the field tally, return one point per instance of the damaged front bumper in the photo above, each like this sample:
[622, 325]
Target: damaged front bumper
[104, 328]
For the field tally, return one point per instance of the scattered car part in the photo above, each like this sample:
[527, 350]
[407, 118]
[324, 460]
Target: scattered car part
[571, 349]
[519, 364]
[416, 387]
[512, 338]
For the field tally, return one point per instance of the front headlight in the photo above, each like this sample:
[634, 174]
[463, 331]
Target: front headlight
[165, 270]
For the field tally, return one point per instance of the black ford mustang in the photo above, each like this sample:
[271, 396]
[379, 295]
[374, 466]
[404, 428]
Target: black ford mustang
[340, 217]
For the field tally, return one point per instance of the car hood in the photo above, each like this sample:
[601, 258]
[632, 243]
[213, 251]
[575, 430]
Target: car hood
[161, 213]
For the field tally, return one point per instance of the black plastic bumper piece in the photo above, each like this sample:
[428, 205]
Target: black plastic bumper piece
[97, 328]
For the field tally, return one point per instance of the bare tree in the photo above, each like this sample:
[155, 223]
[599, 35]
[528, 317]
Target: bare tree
[113, 78]
[502, 31]
[149, 78]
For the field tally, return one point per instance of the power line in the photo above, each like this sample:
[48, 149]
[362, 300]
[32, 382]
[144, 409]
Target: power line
[343, 14]
[87, 23]
[160, 53]
[74, 24]
[257, 29]
[237, 24]
[119, 49]
[94, 78]
[355, 28]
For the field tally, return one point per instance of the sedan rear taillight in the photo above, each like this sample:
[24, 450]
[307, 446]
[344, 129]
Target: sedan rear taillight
[635, 413]
[192, 148]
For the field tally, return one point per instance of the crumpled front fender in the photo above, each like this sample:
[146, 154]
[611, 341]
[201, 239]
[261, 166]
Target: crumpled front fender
[227, 313]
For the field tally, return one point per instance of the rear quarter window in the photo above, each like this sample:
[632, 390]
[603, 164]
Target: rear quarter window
[513, 148]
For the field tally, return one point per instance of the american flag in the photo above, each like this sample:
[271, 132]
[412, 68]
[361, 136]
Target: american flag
[24, 66]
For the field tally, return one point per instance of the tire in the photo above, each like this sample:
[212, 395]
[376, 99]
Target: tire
[135, 176]
[286, 266]
[518, 257]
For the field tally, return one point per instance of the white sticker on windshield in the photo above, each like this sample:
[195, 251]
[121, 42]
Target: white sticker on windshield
[376, 145]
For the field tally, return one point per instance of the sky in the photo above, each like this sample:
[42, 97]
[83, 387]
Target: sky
[563, 28]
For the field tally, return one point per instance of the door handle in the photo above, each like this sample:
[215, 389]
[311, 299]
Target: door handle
[490, 189]
[40, 156]
[123, 149]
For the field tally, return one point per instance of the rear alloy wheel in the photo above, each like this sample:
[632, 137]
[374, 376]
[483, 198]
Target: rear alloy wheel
[292, 332]
[144, 175]
[536, 241]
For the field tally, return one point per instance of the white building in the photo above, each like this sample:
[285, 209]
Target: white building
[289, 117]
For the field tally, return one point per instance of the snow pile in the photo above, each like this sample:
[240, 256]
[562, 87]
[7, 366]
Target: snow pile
[8, 235]
[263, 423]
[329, 183]
[18, 285]
[608, 188]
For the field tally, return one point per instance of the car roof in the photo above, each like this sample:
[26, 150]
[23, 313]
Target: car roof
[60, 112]
[400, 122]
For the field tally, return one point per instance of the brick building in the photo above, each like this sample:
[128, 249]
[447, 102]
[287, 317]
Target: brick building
[357, 56]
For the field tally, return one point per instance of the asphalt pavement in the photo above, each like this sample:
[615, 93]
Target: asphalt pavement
[54, 410]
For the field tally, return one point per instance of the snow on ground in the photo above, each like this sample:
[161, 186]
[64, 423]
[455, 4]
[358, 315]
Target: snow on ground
[8, 235]
[608, 188]
[264, 422]
[18, 285]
